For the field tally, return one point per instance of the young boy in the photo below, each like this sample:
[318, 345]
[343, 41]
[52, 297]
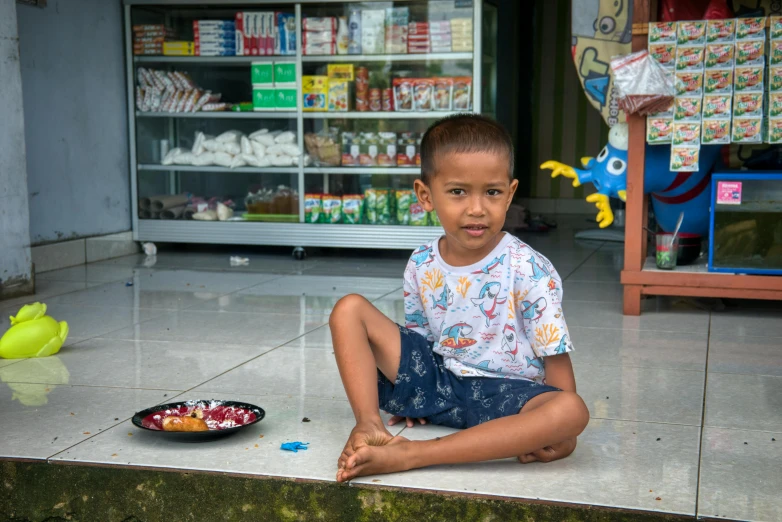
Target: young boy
[485, 346]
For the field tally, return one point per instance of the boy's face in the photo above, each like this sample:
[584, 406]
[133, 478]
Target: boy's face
[471, 194]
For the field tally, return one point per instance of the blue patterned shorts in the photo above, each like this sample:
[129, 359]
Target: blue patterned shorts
[424, 388]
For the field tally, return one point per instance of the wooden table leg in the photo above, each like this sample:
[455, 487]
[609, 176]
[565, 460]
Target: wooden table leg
[631, 304]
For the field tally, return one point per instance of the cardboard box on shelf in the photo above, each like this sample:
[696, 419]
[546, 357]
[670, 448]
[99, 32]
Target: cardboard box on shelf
[339, 95]
[341, 71]
[263, 98]
[262, 73]
[373, 31]
[284, 73]
[285, 34]
[314, 90]
[285, 99]
[239, 31]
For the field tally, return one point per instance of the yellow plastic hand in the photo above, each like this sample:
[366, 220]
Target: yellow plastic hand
[622, 194]
[558, 169]
[585, 160]
[605, 216]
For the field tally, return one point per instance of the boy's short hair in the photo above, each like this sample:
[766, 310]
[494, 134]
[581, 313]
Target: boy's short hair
[463, 133]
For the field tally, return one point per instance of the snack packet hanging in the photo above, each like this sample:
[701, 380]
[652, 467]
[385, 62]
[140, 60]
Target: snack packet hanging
[716, 106]
[775, 131]
[719, 55]
[751, 28]
[689, 58]
[775, 105]
[685, 159]
[748, 79]
[751, 52]
[718, 81]
[687, 134]
[689, 83]
[658, 130]
[351, 209]
[313, 208]
[748, 105]
[687, 108]
[747, 130]
[403, 200]
[720, 31]
[691, 33]
[664, 54]
[662, 32]
[775, 27]
[716, 132]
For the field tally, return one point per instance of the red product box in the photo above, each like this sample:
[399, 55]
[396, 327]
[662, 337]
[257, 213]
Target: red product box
[239, 33]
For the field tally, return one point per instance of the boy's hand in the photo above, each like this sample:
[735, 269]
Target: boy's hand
[409, 420]
[550, 453]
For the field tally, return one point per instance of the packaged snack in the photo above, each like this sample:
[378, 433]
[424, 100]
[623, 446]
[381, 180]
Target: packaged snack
[319, 24]
[443, 94]
[403, 200]
[716, 106]
[685, 159]
[775, 131]
[417, 212]
[434, 220]
[375, 100]
[720, 31]
[775, 79]
[689, 83]
[403, 94]
[686, 134]
[687, 108]
[351, 209]
[775, 27]
[370, 206]
[663, 53]
[387, 100]
[689, 58]
[315, 91]
[407, 149]
[339, 99]
[747, 130]
[748, 105]
[748, 79]
[691, 33]
[343, 71]
[775, 53]
[462, 93]
[423, 91]
[332, 209]
[313, 208]
[350, 149]
[658, 130]
[719, 55]
[397, 19]
[751, 28]
[667, 112]
[718, 81]
[750, 52]
[284, 35]
[662, 32]
[383, 207]
[775, 105]
[716, 132]
[386, 156]
[368, 149]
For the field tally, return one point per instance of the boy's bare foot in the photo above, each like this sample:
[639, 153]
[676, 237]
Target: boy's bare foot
[375, 460]
[364, 434]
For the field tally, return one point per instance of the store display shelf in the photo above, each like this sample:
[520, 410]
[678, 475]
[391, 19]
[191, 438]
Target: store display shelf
[401, 171]
[211, 60]
[214, 168]
[431, 57]
[286, 234]
[258, 115]
[379, 115]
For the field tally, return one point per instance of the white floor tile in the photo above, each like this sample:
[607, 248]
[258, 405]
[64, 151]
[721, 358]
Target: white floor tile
[603, 273]
[46, 289]
[744, 402]
[753, 355]
[89, 273]
[609, 316]
[592, 292]
[747, 323]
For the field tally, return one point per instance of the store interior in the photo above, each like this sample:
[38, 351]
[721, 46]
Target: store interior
[192, 198]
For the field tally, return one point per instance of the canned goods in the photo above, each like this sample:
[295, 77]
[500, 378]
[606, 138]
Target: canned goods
[374, 100]
[362, 79]
[388, 100]
[362, 101]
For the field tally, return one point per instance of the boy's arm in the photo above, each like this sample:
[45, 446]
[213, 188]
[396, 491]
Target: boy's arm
[559, 372]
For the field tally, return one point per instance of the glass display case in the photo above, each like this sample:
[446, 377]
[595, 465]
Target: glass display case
[295, 123]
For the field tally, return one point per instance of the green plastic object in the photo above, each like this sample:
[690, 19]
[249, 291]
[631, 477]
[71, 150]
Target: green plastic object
[33, 334]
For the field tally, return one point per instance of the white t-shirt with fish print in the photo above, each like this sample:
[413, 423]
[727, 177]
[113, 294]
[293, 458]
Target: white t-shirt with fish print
[497, 318]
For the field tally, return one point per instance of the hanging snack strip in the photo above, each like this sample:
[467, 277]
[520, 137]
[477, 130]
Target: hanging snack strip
[748, 80]
[662, 48]
[719, 61]
[688, 103]
[774, 129]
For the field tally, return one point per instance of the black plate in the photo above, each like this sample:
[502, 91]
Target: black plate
[197, 436]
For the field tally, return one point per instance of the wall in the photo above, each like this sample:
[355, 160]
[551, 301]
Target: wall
[565, 127]
[73, 78]
[15, 265]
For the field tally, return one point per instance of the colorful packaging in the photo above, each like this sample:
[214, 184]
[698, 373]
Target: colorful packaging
[719, 55]
[658, 130]
[386, 156]
[373, 23]
[423, 92]
[687, 108]
[403, 201]
[691, 33]
[370, 206]
[434, 220]
[689, 58]
[748, 79]
[387, 100]
[716, 106]
[403, 94]
[417, 213]
[354, 31]
[751, 28]
[775, 53]
[751, 52]
[375, 100]
[747, 130]
[748, 105]
[407, 149]
[775, 79]
[665, 113]
[263, 99]
[775, 27]
[341, 71]
[720, 31]
[716, 132]
[462, 93]
[687, 134]
[685, 159]
[285, 34]
[339, 99]
[285, 74]
[332, 209]
[443, 94]
[315, 91]
[383, 207]
[285, 99]
[369, 144]
[718, 81]
[689, 83]
[262, 73]
[350, 149]
[775, 105]
[313, 208]
[662, 32]
[775, 131]
[351, 209]
[664, 54]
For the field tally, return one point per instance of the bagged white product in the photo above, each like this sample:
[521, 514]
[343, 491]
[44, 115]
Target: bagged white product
[232, 148]
[171, 156]
[206, 215]
[264, 161]
[274, 150]
[223, 159]
[237, 162]
[266, 139]
[258, 133]
[224, 213]
[285, 137]
[251, 159]
[307, 160]
[202, 160]
[247, 148]
[198, 144]
[212, 145]
[229, 136]
[281, 161]
[291, 150]
[185, 158]
[258, 149]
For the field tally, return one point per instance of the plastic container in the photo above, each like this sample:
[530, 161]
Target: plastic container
[667, 251]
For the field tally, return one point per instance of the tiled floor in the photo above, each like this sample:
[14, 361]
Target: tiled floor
[686, 404]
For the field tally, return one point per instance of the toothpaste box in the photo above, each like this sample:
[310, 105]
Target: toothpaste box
[239, 32]
[271, 29]
[214, 24]
[285, 34]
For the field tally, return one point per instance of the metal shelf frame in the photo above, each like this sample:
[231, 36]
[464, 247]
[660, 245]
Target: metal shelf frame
[280, 234]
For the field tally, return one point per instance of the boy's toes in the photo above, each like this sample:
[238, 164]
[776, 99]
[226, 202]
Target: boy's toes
[529, 457]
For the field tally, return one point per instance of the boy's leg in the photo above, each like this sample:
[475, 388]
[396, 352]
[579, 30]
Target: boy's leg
[364, 341]
[558, 417]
